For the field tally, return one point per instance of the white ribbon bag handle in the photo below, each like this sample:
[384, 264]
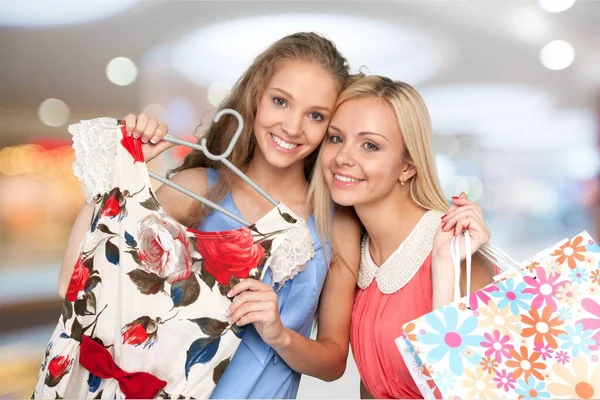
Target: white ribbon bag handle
[496, 256]
[456, 261]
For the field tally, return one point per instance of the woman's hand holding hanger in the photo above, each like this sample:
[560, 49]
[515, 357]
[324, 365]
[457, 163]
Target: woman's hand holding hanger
[150, 131]
[256, 303]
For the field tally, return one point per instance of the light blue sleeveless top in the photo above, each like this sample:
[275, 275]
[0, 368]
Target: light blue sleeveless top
[256, 371]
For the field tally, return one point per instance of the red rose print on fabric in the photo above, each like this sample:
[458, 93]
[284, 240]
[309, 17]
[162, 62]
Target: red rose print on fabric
[234, 254]
[111, 207]
[58, 367]
[164, 248]
[78, 280]
[143, 330]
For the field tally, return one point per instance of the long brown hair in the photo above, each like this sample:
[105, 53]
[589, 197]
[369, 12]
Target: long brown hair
[245, 97]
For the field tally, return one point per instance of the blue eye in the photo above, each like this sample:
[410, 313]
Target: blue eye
[335, 139]
[316, 116]
[369, 146]
[279, 101]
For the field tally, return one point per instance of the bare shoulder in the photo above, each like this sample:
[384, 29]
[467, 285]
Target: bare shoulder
[177, 204]
[346, 237]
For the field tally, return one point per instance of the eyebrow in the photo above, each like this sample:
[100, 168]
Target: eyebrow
[363, 133]
[289, 95]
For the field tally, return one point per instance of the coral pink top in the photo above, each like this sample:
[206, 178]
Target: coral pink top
[398, 291]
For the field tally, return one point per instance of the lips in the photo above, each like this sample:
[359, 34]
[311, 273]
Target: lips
[283, 145]
[346, 181]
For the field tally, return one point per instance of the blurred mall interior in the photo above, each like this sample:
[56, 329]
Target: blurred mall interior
[512, 87]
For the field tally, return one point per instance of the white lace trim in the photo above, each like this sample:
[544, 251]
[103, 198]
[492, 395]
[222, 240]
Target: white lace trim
[404, 263]
[291, 256]
[95, 142]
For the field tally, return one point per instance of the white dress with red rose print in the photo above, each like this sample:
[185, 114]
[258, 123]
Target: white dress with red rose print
[144, 314]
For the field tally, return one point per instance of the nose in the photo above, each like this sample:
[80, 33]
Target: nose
[344, 156]
[292, 125]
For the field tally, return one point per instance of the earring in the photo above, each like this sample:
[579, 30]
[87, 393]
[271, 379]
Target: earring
[402, 183]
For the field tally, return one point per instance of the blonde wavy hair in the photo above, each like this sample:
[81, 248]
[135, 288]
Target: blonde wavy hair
[245, 97]
[415, 127]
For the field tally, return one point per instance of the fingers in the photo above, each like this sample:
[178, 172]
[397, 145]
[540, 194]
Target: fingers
[253, 301]
[248, 284]
[149, 130]
[145, 128]
[463, 200]
[130, 120]
[160, 133]
[248, 297]
[450, 220]
[260, 316]
[473, 225]
[140, 126]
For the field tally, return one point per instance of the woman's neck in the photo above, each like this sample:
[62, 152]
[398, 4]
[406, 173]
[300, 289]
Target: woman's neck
[285, 184]
[388, 222]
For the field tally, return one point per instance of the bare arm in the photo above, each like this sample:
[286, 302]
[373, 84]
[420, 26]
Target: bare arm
[324, 358]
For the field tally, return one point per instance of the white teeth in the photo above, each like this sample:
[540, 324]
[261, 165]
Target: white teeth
[283, 144]
[345, 178]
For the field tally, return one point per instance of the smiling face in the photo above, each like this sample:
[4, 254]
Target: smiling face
[294, 111]
[363, 159]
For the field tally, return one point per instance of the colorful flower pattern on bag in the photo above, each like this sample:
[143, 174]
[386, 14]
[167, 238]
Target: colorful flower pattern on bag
[536, 337]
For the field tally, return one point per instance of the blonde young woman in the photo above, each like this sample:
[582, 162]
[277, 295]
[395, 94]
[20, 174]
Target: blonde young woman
[378, 158]
[286, 98]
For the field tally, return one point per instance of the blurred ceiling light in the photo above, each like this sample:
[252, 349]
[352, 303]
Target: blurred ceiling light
[222, 51]
[467, 107]
[181, 116]
[446, 144]
[445, 168]
[556, 6]
[217, 92]
[511, 117]
[552, 130]
[528, 24]
[557, 55]
[53, 112]
[450, 185]
[121, 71]
[35, 13]
[474, 188]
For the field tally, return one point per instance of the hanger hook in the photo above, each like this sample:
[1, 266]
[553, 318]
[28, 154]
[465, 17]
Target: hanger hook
[234, 139]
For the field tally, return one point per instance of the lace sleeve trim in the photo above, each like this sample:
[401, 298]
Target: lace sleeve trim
[95, 142]
[291, 256]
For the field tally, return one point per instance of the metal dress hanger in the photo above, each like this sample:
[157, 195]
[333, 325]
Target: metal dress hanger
[216, 157]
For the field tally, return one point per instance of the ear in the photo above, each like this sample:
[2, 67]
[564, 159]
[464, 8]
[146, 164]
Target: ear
[407, 172]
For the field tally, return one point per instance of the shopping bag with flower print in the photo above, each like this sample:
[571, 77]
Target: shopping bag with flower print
[418, 371]
[536, 336]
